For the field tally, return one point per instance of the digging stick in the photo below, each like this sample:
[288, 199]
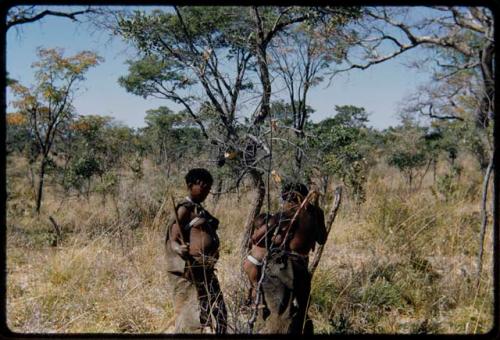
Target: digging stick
[317, 255]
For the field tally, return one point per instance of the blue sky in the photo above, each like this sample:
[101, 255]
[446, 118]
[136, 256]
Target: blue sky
[379, 89]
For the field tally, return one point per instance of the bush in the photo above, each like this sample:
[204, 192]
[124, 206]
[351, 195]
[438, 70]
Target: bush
[381, 293]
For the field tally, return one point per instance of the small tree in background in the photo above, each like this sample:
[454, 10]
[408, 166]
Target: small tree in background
[407, 150]
[48, 104]
[342, 148]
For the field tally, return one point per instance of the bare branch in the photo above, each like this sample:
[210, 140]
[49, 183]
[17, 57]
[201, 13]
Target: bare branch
[19, 19]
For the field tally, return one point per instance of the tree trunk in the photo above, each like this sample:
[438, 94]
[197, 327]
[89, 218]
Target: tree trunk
[324, 189]
[434, 170]
[486, 106]
[261, 51]
[254, 211]
[40, 184]
[31, 177]
[484, 218]
[298, 160]
[218, 189]
[410, 181]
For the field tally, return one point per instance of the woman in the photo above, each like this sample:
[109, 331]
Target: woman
[192, 248]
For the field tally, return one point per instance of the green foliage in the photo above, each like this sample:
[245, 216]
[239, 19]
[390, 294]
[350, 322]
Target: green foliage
[407, 161]
[381, 293]
[18, 136]
[147, 76]
[169, 136]
[408, 150]
[343, 147]
[448, 184]
[47, 105]
[108, 184]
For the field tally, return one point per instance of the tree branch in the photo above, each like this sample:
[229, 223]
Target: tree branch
[24, 20]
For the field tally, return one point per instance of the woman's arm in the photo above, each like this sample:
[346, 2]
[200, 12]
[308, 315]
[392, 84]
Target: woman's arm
[179, 244]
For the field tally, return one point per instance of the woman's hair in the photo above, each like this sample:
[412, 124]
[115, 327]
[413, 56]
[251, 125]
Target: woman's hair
[291, 190]
[199, 174]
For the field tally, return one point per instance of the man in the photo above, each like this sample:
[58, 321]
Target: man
[286, 285]
[192, 249]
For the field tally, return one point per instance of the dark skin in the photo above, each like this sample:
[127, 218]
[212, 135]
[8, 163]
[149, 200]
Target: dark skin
[200, 242]
[309, 229]
[258, 251]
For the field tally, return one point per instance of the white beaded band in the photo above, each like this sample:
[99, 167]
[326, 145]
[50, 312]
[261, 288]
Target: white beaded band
[254, 260]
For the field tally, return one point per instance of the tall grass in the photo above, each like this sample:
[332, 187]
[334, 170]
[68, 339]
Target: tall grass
[402, 262]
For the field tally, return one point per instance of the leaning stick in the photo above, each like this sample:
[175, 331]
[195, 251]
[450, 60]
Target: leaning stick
[317, 255]
[331, 217]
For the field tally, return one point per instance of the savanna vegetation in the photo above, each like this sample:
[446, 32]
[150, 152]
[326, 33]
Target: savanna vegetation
[88, 198]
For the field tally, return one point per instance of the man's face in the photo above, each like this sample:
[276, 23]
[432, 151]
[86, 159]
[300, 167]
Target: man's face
[199, 191]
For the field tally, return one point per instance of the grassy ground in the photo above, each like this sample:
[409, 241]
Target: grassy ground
[400, 263]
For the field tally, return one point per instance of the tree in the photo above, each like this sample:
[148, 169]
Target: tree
[341, 148]
[300, 58]
[48, 104]
[462, 39]
[99, 17]
[221, 53]
[168, 136]
[408, 150]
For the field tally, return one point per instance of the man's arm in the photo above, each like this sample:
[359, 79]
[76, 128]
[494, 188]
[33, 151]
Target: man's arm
[261, 229]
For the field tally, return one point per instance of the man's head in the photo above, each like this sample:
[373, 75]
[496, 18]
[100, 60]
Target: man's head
[294, 192]
[199, 181]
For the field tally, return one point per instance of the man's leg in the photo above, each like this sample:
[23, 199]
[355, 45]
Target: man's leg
[302, 288]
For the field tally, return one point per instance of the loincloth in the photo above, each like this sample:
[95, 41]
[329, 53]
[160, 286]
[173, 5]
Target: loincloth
[197, 297]
[286, 286]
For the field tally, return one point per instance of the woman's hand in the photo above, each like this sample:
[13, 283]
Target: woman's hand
[181, 249]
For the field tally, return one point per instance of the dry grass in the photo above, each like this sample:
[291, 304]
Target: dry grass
[401, 263]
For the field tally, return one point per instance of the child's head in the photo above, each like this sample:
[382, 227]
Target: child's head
[199, 181]
[294, 192]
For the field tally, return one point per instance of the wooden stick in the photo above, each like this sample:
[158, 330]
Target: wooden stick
[331, 217]
[302, 205]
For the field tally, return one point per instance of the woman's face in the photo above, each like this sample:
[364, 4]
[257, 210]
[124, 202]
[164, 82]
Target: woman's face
[199, 191]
